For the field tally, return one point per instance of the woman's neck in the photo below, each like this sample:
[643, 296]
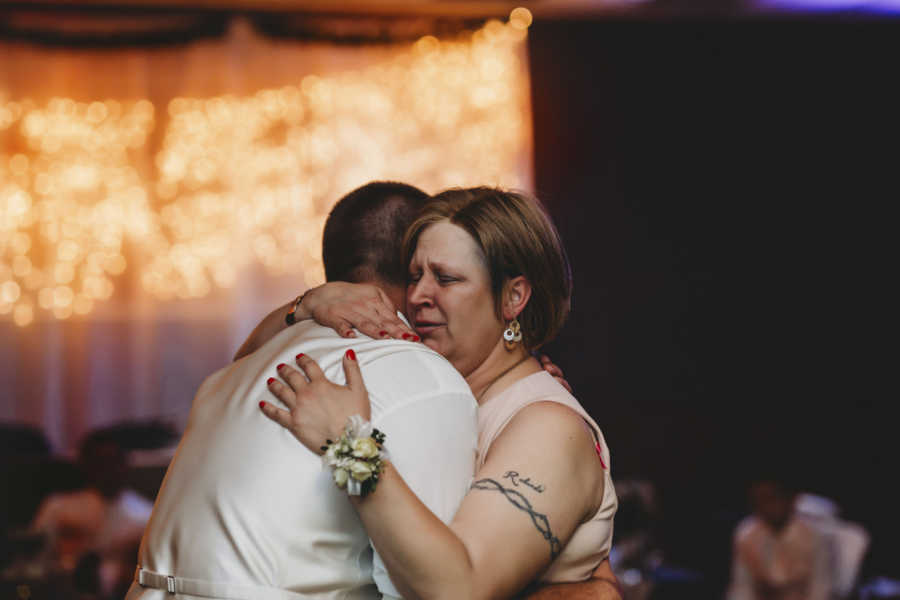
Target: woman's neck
[500, 370]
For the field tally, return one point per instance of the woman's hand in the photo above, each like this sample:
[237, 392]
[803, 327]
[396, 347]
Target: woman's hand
[343, 306]
[317, 408]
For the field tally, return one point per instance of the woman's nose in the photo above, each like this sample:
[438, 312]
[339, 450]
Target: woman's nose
[419, 292]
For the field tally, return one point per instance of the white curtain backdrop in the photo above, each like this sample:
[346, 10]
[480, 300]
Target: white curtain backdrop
[214, 223]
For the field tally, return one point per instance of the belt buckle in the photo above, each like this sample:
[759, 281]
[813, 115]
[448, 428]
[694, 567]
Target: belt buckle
[170, 584]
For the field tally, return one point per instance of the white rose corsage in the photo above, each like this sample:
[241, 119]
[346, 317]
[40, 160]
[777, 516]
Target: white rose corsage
[357, 457]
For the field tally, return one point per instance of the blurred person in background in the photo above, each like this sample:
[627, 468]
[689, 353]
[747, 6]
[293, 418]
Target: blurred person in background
[848, 542]
[93, 532]
[777, 554]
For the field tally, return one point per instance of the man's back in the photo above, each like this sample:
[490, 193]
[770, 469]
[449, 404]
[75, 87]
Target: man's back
[246, 511]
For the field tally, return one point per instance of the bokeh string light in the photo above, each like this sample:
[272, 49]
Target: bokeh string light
[243, 180]
[68, 199]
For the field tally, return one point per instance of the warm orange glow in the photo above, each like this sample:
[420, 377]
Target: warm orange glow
[66, 199]
[520, 18]
[237, 180]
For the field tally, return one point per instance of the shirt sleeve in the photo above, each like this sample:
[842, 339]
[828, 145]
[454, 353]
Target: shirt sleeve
[431, 442]
[822, 575]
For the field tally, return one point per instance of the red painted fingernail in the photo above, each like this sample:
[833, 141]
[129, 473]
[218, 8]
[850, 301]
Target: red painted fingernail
[299, 356]
[382, 333]
[262, 403]
[416, 338]
[406, 336]
[280, 366]
[270, 380]
[351, 354]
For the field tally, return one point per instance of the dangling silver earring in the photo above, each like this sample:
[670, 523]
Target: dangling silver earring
[512, 335]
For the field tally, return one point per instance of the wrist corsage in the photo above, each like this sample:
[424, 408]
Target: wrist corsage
[357, 457]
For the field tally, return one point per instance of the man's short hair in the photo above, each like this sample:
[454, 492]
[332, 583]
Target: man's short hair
[362, 235]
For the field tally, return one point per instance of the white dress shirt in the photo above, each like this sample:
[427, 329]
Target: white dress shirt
[246, 511]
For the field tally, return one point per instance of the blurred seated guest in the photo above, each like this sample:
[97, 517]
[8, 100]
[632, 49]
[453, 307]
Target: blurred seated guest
[777, 554]
[848, 542]
[100, 523]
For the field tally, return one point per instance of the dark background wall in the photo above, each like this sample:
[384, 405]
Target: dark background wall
[723, 190]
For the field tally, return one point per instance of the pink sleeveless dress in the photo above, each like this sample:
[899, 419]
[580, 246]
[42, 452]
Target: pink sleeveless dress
[591, 541]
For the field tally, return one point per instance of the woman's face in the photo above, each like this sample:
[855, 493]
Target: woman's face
[449, 297]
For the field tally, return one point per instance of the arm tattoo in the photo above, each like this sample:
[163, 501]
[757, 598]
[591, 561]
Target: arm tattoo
[519, 501]
[516, 480]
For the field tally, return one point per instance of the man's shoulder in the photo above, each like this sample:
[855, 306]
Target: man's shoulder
[400, 374]
[413, 363]
[395, 369]
[318, 340]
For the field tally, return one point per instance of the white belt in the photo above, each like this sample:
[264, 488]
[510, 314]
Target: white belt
[210, 589]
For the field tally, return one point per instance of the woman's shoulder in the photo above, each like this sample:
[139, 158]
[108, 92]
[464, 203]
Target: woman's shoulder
[550, 416]
[555, 434]
[531, 388]
[533, 397]
[539, 388]
[545, 408]
[537, 407]
[536, 404]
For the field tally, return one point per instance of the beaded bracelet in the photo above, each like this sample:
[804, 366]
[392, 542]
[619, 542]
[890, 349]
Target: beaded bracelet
[357, 457]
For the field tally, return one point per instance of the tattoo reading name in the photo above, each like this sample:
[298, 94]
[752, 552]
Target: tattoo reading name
[516, 480]
[541, 523]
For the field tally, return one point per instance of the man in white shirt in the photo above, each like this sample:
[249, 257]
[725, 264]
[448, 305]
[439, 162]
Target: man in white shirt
[246, 512]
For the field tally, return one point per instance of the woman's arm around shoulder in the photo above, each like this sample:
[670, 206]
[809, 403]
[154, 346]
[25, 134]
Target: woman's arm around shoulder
[336, 304]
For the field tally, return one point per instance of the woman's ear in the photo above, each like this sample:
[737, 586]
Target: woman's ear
[516, 293]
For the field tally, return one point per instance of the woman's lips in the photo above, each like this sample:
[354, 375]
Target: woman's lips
[423, 328]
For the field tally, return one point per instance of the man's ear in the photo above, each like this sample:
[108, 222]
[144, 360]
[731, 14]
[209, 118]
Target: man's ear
[516, 293]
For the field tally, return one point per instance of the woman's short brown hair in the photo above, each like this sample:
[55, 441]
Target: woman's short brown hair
[516, 237]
